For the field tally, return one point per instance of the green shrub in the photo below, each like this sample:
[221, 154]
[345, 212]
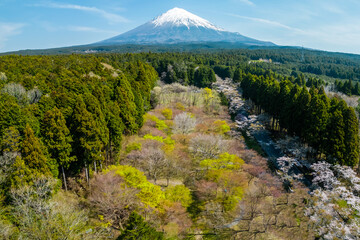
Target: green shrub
[167, 113]
[133, 146]
[179, 193]
[221, 127]
[160, 124]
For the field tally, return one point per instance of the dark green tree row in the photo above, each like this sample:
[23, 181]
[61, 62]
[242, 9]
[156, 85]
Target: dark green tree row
[186, 69]
[62, 114]
[328, 125]
[347, 87]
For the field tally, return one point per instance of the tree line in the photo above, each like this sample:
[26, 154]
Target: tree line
[327, 125]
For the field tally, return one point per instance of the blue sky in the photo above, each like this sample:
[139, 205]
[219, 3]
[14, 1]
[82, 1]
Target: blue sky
[321, 24]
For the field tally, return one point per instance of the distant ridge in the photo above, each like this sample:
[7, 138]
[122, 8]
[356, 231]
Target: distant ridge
[180, 26]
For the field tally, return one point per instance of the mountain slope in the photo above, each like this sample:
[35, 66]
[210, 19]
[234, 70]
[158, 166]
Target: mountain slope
[180, 26]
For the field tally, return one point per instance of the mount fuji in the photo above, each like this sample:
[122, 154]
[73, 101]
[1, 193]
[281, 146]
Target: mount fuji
[180, 26]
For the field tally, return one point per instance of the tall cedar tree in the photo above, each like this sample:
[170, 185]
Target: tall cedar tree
[57, 138]
[33, 154]
[125, 99]
[335, 145]
[86, 135]
[351, 158]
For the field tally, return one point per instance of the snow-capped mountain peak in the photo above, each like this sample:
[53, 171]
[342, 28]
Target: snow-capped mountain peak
[181, 17]
[180, 26]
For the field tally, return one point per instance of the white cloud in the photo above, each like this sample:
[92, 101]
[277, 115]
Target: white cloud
[90, 30]
[247, 2]
[111, 17]
[9, 29]
[268, 22]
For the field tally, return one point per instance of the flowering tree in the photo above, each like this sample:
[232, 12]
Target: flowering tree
[335, 202]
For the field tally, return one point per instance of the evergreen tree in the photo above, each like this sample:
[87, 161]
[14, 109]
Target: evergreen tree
[138, 229]
[302, 103]
[116, 127]
[32, 153]
[57, 138]
[335, 145]
[356, 90]
[237, 75]
[125, 99]
[317, 120]
[351, 140]
[86, 135]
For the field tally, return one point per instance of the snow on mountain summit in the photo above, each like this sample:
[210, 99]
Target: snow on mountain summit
[180, 26]
[180, 17]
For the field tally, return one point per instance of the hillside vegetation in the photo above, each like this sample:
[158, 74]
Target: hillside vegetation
[156, 146]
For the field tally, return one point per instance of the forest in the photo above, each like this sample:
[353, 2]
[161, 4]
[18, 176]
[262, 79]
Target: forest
[147, 146]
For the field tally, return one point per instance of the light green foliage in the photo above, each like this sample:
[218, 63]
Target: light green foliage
[221, 127]
[133, 146]
[167, 113]
[160, 124]
[169, 143]
[224, 171]
[168, 140]
[179, 193]
[155, 138]
[232, 199]
[151, 195]
[225, 161]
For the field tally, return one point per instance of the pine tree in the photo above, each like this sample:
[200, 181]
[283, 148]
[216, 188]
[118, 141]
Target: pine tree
[57, 138]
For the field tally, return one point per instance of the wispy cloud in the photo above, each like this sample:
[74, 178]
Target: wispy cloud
[9, 29]
[90, 30]
[247, 2]
[111, 17]
[268, 22]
